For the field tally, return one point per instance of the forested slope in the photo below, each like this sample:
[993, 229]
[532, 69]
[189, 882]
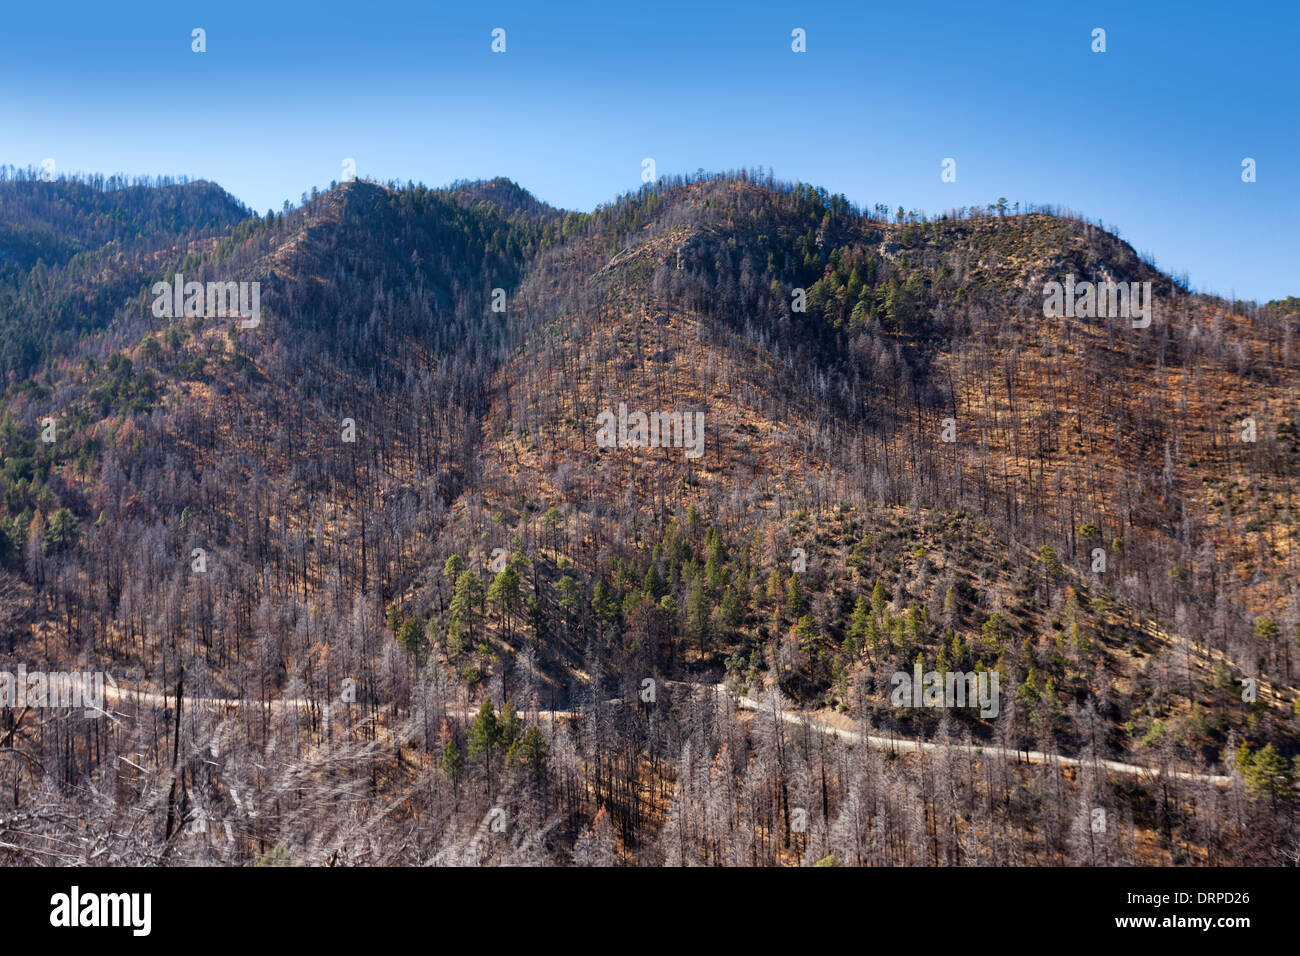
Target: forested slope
[390, 496]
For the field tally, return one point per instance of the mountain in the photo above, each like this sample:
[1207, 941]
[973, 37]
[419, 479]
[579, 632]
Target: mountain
[72, 250]
[395, 493]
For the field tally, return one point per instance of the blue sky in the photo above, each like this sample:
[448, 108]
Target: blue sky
[1148, 136]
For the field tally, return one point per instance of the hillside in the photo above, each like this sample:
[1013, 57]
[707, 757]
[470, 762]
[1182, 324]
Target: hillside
[398, 487]
[72, 252]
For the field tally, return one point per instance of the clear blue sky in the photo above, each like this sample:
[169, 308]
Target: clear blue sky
[1148, 136]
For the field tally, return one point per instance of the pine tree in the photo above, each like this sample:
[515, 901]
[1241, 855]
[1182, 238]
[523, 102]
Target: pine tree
[453, 761]
[653, 585]
[878, 600]
[775, 589]
[530, 753]
[465, 604]
[603, 605]
[859, 623]
[796, 603]
[715, 566]
[509, 729]
[733, 608]
[61, 532]
[568, 597]
[485, 738]
[411, 636]
[505, 592]
[452, 567]
[697, 614]
[1268, 775]
[552, 521]
[809, 636]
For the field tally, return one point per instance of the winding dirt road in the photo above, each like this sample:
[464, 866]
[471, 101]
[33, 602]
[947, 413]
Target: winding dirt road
[119, 695]
[910, 745]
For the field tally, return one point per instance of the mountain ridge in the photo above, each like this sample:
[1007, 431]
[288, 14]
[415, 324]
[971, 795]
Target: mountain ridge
[395, 475]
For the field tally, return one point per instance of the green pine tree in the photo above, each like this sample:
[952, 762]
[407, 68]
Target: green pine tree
[603, 605]
[485, 738]
[878, 600]
[505, 593]
[509, 729]
[453, 761]
[531, 753]
[452, 567]
[411, 635]
[697, 614]
[860, 622]
[466, 602]
[796, 603]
